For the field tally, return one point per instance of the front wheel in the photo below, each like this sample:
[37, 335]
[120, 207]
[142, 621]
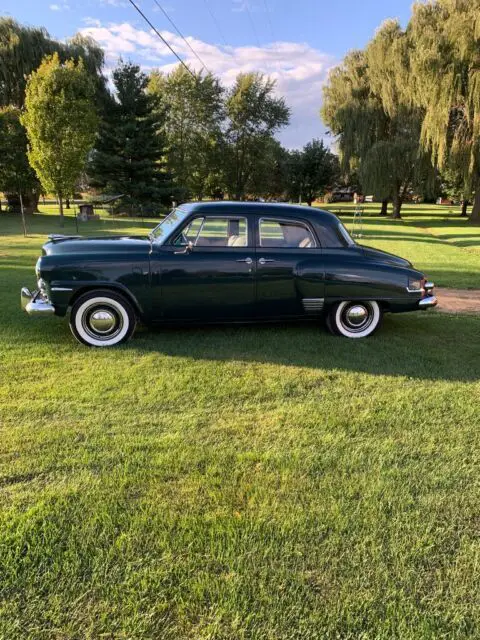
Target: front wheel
[102, 319]
[354, 319]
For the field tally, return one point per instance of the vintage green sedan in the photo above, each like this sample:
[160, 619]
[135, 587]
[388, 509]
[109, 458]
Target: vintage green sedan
[224, 262]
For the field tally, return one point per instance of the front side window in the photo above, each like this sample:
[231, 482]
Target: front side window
[215, 232]
[285, 234]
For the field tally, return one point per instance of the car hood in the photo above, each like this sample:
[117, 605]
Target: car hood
[385, 257]
[57, 245]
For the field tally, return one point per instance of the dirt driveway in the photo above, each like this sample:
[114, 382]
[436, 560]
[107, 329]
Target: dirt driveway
[458, 300]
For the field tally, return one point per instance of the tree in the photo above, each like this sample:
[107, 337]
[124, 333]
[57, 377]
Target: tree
[128, 151]
[22, 50]
[270, 176]
[385, 138]
[353, 113]
[60, 120]
[254, 115]
[191, 106]
[17, 178]
[444, 83]
[319, 170]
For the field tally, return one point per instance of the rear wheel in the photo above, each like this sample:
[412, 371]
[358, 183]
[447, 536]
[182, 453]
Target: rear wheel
[102, 319]
[354, 319]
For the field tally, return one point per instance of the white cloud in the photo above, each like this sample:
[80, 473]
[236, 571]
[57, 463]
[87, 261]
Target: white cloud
[114, 3]
[299, 69]
[91, 22]
[64, 6]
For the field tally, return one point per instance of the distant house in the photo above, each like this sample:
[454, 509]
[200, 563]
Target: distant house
[344, 194]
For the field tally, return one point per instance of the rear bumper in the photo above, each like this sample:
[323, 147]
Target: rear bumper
[35, 304]
[427, 302]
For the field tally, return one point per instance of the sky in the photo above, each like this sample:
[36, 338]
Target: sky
[295, 42]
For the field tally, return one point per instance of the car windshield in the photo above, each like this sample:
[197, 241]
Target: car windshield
[168, 225]
[345, 235]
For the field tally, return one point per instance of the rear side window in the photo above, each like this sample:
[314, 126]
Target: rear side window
[285, 234]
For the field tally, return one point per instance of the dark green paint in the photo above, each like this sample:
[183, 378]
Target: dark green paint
[167, 283]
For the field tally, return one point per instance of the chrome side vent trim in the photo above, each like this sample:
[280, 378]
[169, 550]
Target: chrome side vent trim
[313, 305]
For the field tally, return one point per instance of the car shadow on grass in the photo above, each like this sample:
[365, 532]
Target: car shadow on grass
[424, 347]
[415, 346]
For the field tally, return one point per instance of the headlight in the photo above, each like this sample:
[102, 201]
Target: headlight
[415, 284]
[37, 267]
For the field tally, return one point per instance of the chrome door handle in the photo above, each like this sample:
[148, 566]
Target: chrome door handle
[247, 260]
[265, 260]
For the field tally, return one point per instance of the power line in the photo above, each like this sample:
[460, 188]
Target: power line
[217, 24]
[181, 35]
[161, 38]
[267, 11]
[252, 24]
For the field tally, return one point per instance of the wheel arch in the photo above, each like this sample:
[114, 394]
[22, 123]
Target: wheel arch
[118, 289]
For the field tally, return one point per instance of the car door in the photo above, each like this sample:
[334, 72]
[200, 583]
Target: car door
[290, 276]
[207, 272]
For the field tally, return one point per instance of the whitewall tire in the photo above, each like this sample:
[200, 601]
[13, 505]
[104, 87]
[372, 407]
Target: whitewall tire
[102, 319]
[354, 319]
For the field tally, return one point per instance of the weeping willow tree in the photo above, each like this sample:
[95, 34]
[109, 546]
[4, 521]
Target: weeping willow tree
[22, 50]
[444, 81]
[377, 127]
[353, 113]
[398, 163]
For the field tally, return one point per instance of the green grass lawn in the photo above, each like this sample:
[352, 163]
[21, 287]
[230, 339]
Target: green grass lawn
[242, 483]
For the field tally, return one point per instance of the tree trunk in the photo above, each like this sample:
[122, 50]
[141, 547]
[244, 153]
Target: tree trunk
[475, 215]
[60, 202]
[32, 197]
[29, 202]
[464, 207]
[67, 203]
[384, 209]
[397, 202]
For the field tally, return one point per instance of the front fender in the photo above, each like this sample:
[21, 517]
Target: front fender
[62, 294]
[67, 278]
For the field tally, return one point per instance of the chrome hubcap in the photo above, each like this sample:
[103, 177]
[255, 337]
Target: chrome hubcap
[356, 315]
[102, 321]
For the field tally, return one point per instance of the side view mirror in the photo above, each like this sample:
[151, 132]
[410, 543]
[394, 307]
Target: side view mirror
[187, 249]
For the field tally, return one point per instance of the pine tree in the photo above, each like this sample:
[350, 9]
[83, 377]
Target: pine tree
[128, 152]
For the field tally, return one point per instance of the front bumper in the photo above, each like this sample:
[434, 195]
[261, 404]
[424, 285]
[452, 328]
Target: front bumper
[35, 304]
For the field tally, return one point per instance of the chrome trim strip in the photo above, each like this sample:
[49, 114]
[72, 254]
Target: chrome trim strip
[414, 290]
[61, 289]
[313, 305]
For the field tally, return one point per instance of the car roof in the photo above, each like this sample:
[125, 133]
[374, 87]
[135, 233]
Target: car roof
[261, 208]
